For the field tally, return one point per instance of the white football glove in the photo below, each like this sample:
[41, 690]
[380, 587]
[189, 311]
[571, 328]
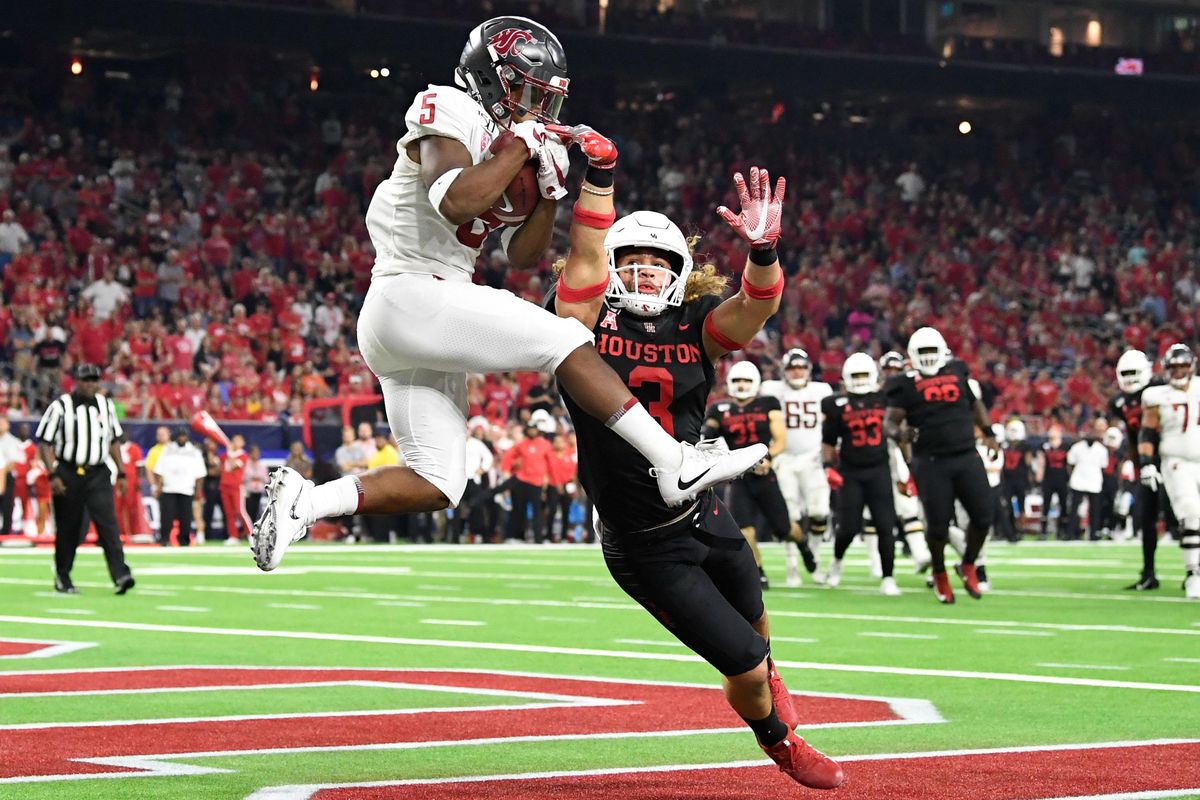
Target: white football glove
[1150, 477]
[553, 165]
[533, 134]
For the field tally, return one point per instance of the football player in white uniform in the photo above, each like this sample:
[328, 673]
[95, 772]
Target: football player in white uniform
[1170, 417]
[799, 470]
[424, 324]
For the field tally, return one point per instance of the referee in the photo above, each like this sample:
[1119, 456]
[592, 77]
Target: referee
[77, 435]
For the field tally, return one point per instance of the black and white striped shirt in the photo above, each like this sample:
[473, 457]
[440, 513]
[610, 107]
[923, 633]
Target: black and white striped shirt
[80, 433]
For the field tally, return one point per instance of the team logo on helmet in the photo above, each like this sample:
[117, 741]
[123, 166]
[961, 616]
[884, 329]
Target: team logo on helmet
[504, 41]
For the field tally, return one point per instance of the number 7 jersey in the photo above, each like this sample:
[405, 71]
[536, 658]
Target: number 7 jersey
[1178, 419]
[802, 413]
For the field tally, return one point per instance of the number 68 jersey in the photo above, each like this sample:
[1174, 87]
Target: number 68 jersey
[1178, 419]
[802, 413]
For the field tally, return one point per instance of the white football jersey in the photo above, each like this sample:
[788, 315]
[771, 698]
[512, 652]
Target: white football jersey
[406, 231]
[802, 413]
[1178, 419]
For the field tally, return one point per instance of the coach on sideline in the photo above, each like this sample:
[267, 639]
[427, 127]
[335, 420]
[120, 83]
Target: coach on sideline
[77, 436]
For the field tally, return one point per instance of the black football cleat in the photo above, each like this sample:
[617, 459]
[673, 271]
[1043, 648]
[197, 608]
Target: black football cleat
[1143, 584]
[124, 584]
[63, 585]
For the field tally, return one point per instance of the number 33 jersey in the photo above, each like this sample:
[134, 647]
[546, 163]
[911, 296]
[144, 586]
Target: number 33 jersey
[856, 422]
[407, 233]
[938, 406]
[801, 413]
[1178, 419]
[662, 361]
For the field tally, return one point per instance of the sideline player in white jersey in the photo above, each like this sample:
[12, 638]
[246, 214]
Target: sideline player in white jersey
[424, 324]
[1171, 427]
[801, 475]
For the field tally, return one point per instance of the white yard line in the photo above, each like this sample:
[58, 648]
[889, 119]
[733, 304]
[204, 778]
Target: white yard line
[1003, 632]
[79, 611]
[1058, 665]
[594, 652]
[296, 606]
[463, 623]
[1184, 660]
[886, 635]
[185, 609]
[650, 642]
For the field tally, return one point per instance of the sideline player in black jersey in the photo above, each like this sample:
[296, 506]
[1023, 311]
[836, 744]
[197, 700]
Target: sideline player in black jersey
[661, 325]
[748, 419]
[943, 411]
[1014, 480]
[853, 431]
[1134, 374]
[1051, 465]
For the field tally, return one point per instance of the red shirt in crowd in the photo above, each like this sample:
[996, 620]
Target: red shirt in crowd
[233, 468]
[529, 461]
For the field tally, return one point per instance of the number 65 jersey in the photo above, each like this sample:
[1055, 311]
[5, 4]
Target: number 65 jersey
[1178, 419]
[802, 413]
[938, 407]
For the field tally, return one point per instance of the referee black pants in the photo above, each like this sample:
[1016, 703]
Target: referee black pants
[91, 492]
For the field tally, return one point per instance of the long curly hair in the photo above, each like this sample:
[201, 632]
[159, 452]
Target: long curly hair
[701, 282]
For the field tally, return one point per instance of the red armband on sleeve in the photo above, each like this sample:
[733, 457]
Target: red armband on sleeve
[762, 292]
[594, 219]
[583, 294]
[710, 328]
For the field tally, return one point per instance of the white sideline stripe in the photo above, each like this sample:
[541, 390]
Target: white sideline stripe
[297, 606]
[1053, 664]
[57, 648]
[566, 620]
[1003, 632]
[185, 609]
[793, 639]
[885, 635]
[534, 586]
[306, 791]
[1184, 660]
[80, 611]
[581, 651]
[612, 604]
[157, 593]
[399, 603]
[464, 623]
[651, 642]
[438, 587]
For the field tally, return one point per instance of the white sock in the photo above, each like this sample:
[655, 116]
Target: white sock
[1191, 555]
[334, 499]
[917, 546]
[635, 425]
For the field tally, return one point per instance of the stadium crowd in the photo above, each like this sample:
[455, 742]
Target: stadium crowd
[206, 241]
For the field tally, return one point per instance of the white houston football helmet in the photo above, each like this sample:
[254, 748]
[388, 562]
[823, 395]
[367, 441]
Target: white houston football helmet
[647, 229]
[927, 350]
[1113, 438]
[998, 432]
[860, 374]
[735, 381]
[1014, 431]
[1133, 371]
[795, 359]
[1179, 357]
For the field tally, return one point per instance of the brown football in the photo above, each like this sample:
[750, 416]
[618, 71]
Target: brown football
[517, 202]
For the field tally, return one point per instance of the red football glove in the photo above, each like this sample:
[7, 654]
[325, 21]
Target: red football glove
[835, 478]
[600, 151]
[758, 222]
[910, 488]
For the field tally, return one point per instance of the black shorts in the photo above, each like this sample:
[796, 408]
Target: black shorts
[943, 479]
[699, 580]
[755, 499]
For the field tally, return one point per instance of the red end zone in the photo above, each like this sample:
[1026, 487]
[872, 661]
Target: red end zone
[1030, 775]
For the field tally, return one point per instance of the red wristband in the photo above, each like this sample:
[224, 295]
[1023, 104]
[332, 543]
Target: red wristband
[710, 328]
[594, 219]
[580, 295]
[763, 292]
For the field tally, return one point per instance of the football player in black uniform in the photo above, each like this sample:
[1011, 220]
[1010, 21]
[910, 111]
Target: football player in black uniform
[748, 419]
[1134, 374]
[853, 433]
[1052, 464]
[943, 411]
[1014, 480]
[661, 324]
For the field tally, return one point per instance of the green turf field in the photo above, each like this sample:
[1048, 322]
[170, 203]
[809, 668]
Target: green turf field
[1056, 654]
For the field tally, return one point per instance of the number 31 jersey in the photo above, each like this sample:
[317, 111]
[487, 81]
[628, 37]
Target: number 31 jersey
[938, 406]
[802, 413]
[407, 233]
[1178, 419]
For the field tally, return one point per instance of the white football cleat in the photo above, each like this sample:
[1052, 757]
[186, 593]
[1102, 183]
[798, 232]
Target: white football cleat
[820, 578]
[888, 587]
[1191, 586]
[794, 581]
[834, 577]
[703, 468]
[284, 519]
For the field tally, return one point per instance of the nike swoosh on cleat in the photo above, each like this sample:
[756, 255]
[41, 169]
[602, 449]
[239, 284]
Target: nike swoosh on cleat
[685, 326]
[685, 485]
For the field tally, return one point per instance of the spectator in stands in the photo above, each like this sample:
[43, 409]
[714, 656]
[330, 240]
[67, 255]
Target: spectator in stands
[474, 511]
[12, 458]
[105, 295]
[12, 236]
[526, 468]
[911, 184]
[211, 496]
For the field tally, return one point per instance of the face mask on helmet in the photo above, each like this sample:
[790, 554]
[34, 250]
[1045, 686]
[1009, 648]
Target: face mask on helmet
[891, 363]
[742, 381]
[643, 288]
[1180, 365]
[928, 351]
[1113, 438]
[1133, 371]
[513, 66]
[860, 375]
[1014, 431]
[797, 369]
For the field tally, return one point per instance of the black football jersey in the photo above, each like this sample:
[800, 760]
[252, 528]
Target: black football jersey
[1055, 462]
[1128, 408]
[855, 422]
[938, 407]
[1016, 466]
[741, 425]
[661, 359]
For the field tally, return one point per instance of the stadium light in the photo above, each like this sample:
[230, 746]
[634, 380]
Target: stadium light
[76, 66]
[314, 79]
[964, 127]
[374, 73]
[385, 72]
